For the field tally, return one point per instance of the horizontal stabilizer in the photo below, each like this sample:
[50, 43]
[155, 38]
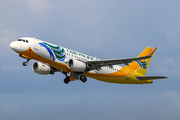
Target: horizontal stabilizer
[150, 77]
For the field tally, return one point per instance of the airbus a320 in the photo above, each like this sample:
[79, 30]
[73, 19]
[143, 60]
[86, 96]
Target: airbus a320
[78, 66]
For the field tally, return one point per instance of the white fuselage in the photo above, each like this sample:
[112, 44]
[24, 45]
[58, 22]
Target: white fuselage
[58, 58]
[41, 50]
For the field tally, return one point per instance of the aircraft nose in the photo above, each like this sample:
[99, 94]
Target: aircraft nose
[13, 45]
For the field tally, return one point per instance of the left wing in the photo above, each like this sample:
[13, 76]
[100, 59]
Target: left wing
[97, 64]
[100, 63]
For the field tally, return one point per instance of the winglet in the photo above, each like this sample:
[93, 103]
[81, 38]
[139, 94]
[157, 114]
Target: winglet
[151, 54]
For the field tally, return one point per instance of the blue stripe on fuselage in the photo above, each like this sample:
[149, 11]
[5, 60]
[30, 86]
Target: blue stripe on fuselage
[49, 50]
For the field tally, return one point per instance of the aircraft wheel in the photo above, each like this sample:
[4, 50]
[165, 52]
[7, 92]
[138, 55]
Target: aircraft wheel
[66, 80]
[83, 78]
[25, 63]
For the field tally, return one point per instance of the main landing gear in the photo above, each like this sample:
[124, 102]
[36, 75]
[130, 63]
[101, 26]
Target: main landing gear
[83, 78]
[67, 80]
[26, 63]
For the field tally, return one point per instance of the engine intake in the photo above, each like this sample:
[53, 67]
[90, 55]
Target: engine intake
[76, 65]
[42, 69]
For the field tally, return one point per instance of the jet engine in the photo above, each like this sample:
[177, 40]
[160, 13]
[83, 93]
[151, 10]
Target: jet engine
[42, 69]
[76, 65]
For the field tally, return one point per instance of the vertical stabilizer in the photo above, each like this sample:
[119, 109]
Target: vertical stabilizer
[141, 66]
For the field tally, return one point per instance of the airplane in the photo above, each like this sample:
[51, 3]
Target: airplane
[53, 58]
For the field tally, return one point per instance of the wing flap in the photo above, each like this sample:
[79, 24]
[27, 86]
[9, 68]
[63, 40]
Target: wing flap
[150, 77]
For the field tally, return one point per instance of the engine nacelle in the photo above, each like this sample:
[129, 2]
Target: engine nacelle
[76, 65]
[42, 69]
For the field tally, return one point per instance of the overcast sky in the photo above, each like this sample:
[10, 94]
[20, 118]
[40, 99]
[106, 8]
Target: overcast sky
[102, 28]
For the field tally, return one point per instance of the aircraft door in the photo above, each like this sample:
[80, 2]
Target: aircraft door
[36, 44]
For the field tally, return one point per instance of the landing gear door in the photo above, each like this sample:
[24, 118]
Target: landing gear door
[36, 44]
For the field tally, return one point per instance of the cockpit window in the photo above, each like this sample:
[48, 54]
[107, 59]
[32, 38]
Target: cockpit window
[23, 40]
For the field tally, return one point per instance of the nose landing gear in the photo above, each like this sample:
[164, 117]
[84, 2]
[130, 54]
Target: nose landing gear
[26, 63]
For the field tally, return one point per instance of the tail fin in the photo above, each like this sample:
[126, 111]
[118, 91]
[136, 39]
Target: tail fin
[141, 66]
